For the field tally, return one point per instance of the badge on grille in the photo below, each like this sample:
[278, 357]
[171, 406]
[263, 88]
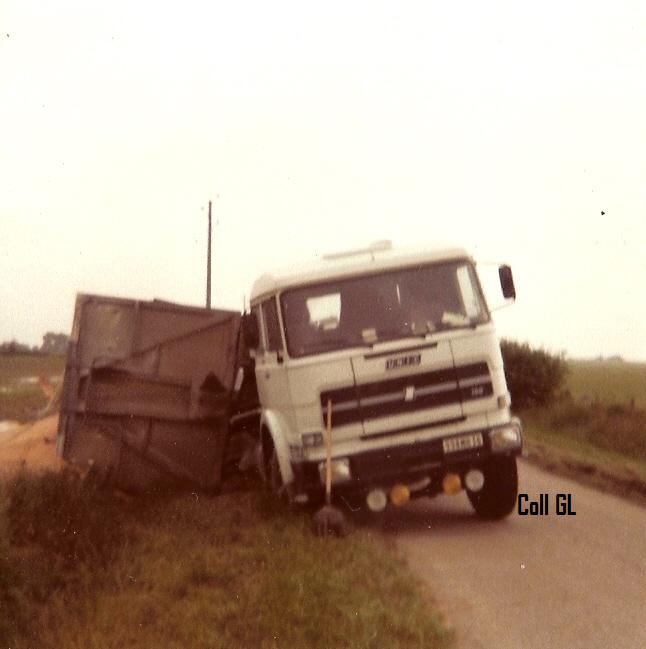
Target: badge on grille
[403, 361]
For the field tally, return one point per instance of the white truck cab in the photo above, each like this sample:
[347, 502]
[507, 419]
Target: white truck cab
[402, 345]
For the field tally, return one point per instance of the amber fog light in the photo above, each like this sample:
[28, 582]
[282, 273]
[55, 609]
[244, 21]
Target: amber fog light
[451, 483]
[399, 495]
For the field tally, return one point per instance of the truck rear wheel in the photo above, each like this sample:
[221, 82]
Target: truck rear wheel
[497, 498]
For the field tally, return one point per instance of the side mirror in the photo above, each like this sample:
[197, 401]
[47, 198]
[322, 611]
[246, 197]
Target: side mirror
[507, 282]
[250, 330]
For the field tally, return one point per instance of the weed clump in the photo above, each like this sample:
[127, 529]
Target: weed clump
[72, 519]
[57, 533]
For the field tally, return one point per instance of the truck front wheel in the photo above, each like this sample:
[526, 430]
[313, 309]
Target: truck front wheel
[497, 498]
[281, 491]
[274, 477]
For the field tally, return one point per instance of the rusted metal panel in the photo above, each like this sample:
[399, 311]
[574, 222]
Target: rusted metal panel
[147, 391]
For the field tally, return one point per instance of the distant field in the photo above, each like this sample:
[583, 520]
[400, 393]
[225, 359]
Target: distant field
[20, 395]
[20, 366]
[608, 382]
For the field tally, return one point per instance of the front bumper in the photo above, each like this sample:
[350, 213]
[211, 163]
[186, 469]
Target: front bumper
[406, 464]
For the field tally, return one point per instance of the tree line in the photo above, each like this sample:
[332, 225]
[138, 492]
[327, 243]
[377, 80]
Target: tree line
[53, 343]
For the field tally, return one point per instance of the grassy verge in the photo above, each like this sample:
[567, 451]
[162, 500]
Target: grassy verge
[81, 568]
[604, 446]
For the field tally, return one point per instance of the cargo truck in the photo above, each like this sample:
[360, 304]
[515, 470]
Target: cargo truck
[401, 344]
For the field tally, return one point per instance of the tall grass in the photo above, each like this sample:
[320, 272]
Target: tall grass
[615, 428]
[84, 570]
[55, 531]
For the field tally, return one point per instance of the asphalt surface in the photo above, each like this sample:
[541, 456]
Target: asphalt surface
[532, 581]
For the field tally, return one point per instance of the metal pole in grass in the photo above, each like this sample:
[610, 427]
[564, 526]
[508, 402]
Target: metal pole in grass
[329, 519]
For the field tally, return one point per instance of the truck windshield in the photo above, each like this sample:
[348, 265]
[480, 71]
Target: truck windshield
[386, 306]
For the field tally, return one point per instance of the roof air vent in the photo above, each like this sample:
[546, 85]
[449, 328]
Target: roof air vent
[376, 246]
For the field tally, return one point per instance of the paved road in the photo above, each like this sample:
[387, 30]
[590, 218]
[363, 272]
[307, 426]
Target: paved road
[533, 581]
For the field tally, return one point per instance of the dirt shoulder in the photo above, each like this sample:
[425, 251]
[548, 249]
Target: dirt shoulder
[31, 446]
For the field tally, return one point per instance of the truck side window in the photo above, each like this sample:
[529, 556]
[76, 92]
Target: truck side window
[472, 305]
[256, 310]
[272, 326]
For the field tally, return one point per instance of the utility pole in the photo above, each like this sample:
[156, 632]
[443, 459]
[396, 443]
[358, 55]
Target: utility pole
[208, 265]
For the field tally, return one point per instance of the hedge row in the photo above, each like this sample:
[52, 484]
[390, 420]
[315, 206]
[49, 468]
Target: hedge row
[534, 376]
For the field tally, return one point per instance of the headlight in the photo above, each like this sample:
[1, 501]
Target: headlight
[505, 437]
[340, 470]
[312, 440]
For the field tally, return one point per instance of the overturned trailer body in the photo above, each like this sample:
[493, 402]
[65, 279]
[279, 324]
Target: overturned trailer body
[148, 391]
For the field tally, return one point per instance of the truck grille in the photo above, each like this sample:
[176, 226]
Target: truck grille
[407, 394]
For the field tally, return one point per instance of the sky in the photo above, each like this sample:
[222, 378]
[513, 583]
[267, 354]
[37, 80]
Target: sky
[516, 130]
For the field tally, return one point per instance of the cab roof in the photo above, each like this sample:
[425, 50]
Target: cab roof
[376, 257]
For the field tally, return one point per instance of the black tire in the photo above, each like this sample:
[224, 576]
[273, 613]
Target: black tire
[497, 498]
[274, 477]
[275, 484]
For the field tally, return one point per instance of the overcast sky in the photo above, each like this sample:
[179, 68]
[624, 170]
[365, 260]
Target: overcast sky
[504, 127]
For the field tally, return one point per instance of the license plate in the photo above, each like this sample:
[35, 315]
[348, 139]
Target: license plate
[462, 442]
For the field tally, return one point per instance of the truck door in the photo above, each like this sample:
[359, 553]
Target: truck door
[271, 375]
[406, 388]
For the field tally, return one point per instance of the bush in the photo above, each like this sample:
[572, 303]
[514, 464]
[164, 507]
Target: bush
[534, 377]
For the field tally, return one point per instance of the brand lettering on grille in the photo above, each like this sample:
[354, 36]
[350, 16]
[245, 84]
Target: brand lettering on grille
[403, 361]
